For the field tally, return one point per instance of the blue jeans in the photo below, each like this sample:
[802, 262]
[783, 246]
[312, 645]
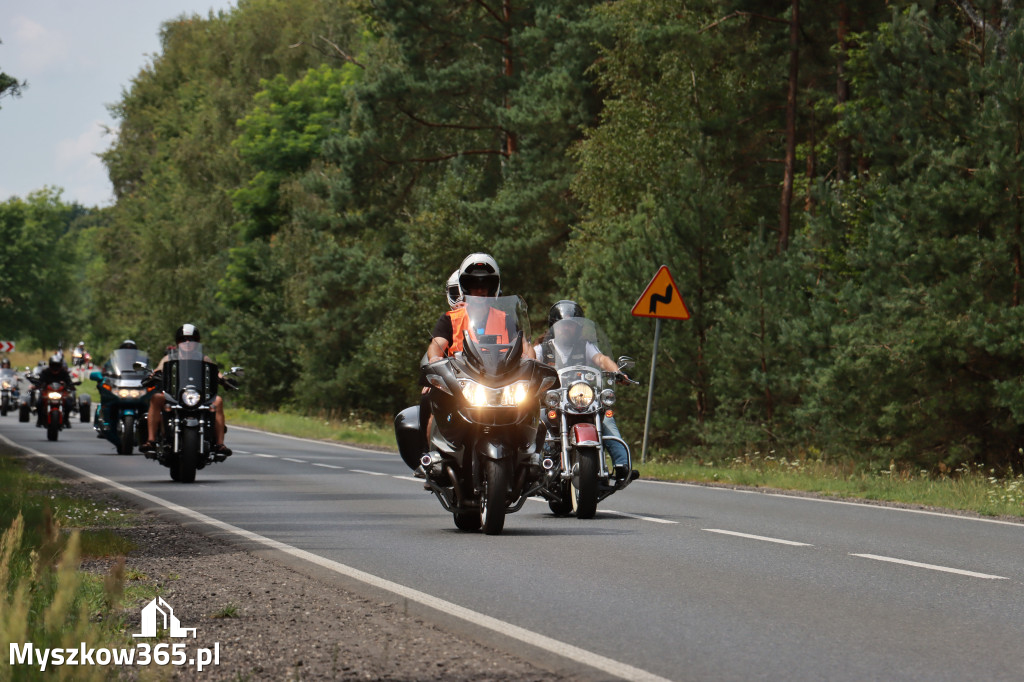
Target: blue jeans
[617, 450]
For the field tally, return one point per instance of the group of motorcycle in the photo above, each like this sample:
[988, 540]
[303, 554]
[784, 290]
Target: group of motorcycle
[482, 457]
[189, 383]
[52, 402]
[188, 380]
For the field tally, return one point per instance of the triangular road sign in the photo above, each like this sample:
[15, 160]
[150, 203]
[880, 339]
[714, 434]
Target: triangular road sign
[661, 299]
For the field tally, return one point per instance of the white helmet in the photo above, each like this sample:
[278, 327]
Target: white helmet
[480, 269]
[453, 291]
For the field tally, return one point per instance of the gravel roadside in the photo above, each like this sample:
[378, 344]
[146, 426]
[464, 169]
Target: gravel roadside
[269, 621]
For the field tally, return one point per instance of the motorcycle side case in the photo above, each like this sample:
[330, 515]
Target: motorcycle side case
[411, 445]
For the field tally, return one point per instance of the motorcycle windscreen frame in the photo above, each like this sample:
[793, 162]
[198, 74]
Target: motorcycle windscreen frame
[575, 333]
[494, 323]
[186, 366]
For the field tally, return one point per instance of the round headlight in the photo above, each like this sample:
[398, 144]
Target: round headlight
[190, 397]
[54, 395]
[608, 397]
[581, 394]
[551, 398]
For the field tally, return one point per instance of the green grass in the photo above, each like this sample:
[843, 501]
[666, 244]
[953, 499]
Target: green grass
[966, 489]
[44, 598]
[352, 430]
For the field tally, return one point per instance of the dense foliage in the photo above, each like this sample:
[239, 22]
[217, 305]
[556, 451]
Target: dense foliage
[836, 188]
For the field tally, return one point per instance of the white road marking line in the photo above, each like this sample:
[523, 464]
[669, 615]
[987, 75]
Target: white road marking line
[862, 505]
[537, 639]
[933, 567]
[652, 519]
[408, 478]
[372, 473]
[292, 459]
[326, 466]
[256, 454]
[757, 537]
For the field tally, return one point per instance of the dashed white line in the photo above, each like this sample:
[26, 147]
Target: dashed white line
[297, 461]
[652, 519]
[757, 537]
[408, 478]
[256, 454]
[932, 567]
[327, 466]
[372, 473]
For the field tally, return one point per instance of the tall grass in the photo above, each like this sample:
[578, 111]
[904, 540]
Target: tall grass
[352, 429]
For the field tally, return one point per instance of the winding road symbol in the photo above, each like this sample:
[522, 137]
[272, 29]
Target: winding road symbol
[654, 303]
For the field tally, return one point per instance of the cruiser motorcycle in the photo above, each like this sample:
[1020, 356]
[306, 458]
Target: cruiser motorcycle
[573, 418]
[121, 414]
[480, 459]
[189, 381]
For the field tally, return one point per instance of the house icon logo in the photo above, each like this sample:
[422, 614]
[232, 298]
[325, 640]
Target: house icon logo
[158, 614]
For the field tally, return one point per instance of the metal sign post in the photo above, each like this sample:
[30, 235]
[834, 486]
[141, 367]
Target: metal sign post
[660, 300]
[650, 388]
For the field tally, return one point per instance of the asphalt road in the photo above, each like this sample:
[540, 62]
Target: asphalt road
[669, 581]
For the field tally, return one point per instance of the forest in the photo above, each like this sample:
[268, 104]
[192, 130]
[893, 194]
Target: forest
[835, 187]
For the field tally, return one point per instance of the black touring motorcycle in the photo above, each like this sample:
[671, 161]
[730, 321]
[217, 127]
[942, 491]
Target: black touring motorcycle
[189, 381]
[480, 459]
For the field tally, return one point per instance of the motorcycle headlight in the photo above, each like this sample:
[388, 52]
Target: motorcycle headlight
[478, 395]
[608, 397]
[6, 384]
[552, 398]
[54, 395]
[581, 394]
[190, 397]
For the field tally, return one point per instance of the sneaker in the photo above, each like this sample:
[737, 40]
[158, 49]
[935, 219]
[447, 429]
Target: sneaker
[221, 449]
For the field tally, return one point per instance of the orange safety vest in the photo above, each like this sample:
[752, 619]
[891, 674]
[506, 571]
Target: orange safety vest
[460, 323]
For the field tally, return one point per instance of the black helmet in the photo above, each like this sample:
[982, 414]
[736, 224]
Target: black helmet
[128, 343]
[564, 310]
[186, 332]
[56, 362]
[5, 363]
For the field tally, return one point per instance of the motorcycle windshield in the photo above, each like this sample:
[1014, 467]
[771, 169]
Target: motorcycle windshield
[121, 363]
[8, 378]
[187, 367]
[575, 343]
[494, 331]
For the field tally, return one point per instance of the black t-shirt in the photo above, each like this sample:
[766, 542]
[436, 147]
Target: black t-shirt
[443, 329]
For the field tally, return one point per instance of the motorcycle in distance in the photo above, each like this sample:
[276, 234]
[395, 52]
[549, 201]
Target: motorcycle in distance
[189, 382]
[573, 415]
[54, 399]
[480, 460]
[124, 401]
[10, 391]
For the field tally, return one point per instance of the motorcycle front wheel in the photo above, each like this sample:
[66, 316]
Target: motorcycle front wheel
[126, 435]
[584, 484]
[187, 458]
[494, 500]
[52, 429]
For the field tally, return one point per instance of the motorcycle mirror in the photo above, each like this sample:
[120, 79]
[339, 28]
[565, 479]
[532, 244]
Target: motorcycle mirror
[238, 372]
[95, 375]
[139, 365]
[625, 362]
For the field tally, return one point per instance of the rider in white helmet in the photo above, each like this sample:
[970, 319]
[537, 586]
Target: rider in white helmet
[453, 291]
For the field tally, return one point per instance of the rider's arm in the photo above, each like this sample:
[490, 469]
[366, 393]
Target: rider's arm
[437, 348]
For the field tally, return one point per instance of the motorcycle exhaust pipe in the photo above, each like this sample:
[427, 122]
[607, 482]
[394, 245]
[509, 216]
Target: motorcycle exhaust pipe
[547, 464]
